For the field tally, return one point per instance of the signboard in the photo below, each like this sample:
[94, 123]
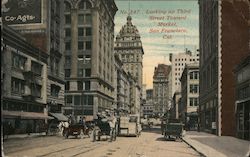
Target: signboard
[21, 11]
[213, 125]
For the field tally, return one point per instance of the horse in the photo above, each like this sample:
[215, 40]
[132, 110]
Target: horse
[62, 126]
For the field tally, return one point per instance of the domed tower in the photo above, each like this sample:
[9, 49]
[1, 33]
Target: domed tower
[128, 47]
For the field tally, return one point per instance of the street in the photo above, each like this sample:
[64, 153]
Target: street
[150, 144]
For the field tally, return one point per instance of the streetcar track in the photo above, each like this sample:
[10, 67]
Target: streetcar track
[88, 150]
[28, 147]
[61, 150]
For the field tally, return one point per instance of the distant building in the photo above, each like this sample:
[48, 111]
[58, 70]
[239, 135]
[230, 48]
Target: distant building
[224, 42]
[148, 106]
[242, 104]
[128, 46]
[89, 60]
[190, 96]
[24, 84]
[178, 62]
[161, 97]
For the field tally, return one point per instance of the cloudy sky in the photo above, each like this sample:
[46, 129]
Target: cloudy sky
[165, 26]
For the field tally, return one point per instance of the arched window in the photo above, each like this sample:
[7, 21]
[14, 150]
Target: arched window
[67, 6]
[84, 4]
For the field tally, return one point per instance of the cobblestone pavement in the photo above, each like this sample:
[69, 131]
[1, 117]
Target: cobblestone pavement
[149, 144]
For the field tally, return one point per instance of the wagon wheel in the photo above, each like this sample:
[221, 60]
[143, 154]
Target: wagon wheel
[66, 134]
[81, 133]
[94, 135]
[89, 132]
[98, 135]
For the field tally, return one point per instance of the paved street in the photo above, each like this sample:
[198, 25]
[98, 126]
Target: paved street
[149, 144]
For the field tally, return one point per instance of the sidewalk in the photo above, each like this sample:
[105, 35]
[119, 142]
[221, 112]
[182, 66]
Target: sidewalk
[214, 146]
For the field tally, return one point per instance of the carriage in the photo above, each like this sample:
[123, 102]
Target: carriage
[103, 126]
[174, 130]
[77, 129]
[73, 130]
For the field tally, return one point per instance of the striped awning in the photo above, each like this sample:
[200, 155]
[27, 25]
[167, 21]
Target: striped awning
[59, 116]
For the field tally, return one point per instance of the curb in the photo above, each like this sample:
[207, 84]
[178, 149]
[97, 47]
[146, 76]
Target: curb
[201, 154]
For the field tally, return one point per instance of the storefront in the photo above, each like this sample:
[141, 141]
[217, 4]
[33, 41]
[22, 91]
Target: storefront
[242, 104]
[18, 122]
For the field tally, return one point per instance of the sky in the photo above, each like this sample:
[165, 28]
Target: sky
[165, 26]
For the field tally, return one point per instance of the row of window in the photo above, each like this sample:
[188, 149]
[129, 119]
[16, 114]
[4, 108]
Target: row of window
[19, 106]
[83, 85]
[194, 75]
[80, 72]
[19, 61]
[185, 59]
[193, 101]
[129, 44]
[79, 100]
[18, 87]
[82, 45]
[194, 88]
[82, 19]
[82, 31]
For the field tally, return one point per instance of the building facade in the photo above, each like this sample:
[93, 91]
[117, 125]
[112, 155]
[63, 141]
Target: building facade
[224, 41]
[161, 89]
[122, 87]
[24, 84]
[148, 107]
[89, 58]
[174, 111]
[178, 62]
[190, 96]
[128, 46]
[242, 104]
[45, 32]
[134, 96]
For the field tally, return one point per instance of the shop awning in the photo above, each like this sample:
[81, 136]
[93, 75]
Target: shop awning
[24, 115]
[59, 116]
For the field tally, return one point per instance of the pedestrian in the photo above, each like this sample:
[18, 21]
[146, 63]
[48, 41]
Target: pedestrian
[29, 128]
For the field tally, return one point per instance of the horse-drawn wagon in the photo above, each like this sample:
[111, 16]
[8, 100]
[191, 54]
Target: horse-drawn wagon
[104, 126]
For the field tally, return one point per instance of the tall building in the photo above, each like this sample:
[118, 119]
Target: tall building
[190, 96]
[160, 88]
[224, 41]
[89, 56]
[178, 62]
[122, 88]
[23, 83]
[41, 23]
[128, 46]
